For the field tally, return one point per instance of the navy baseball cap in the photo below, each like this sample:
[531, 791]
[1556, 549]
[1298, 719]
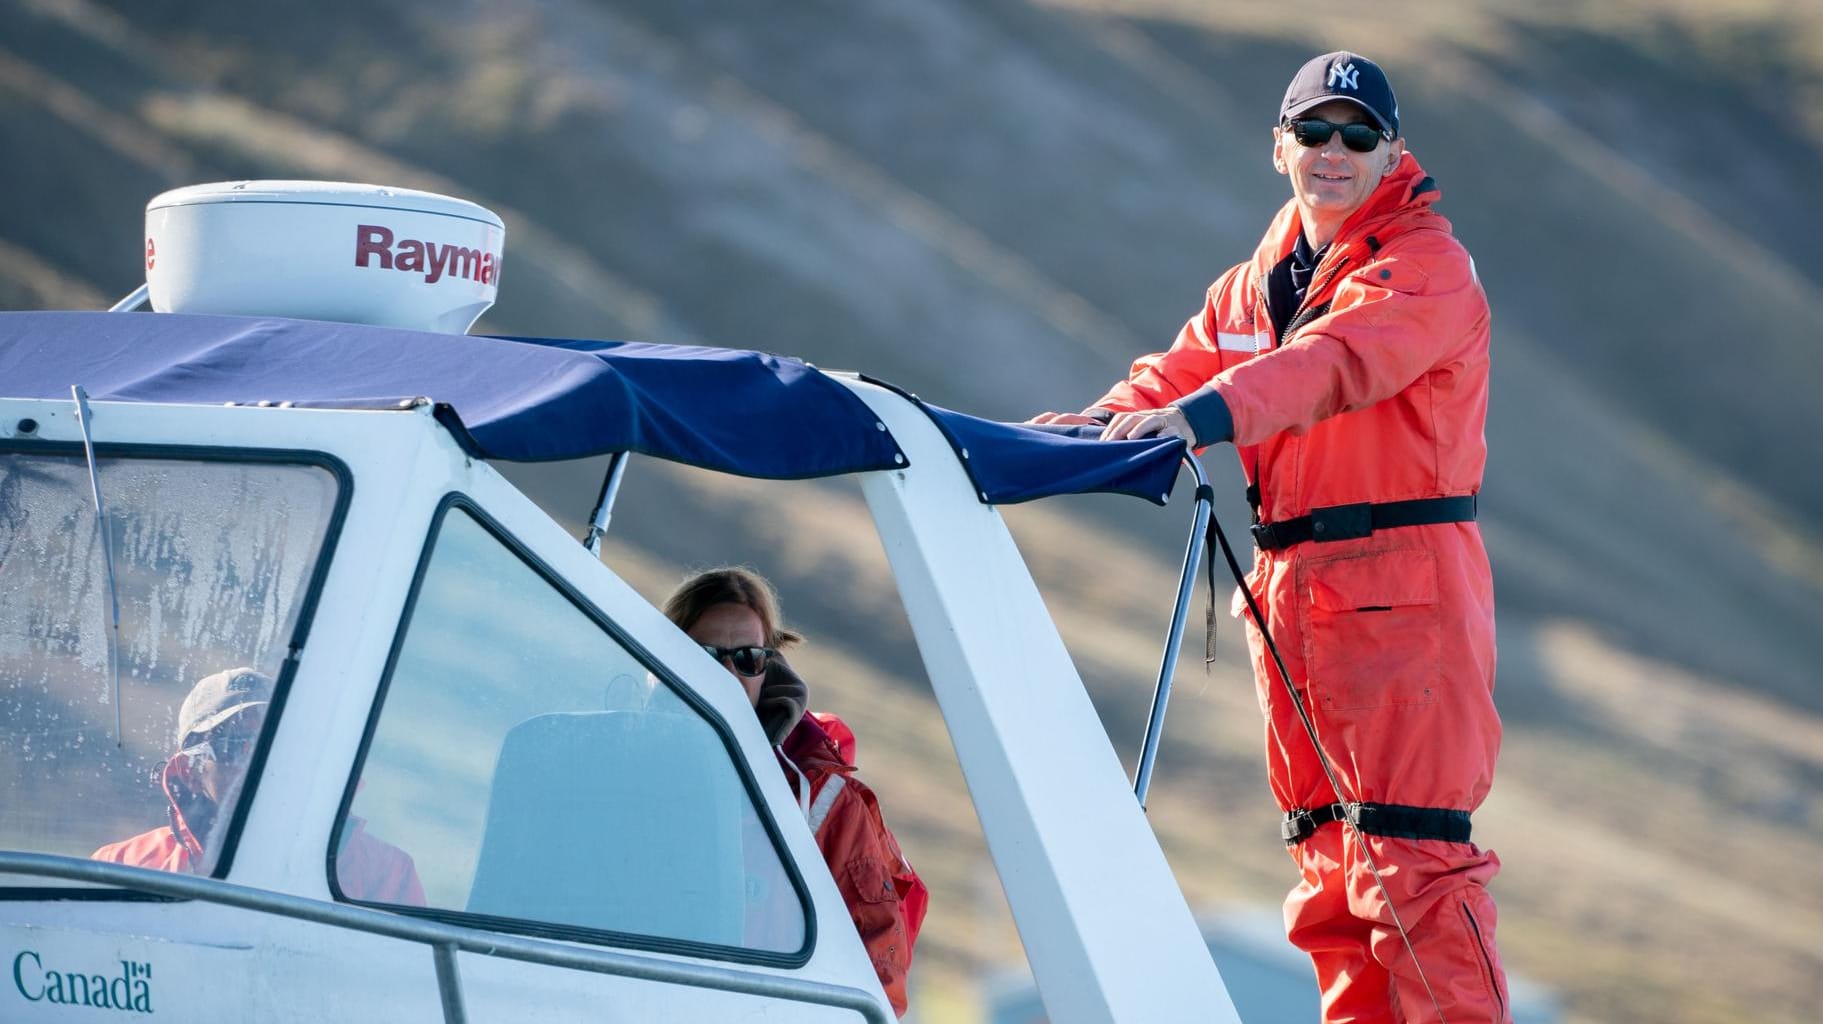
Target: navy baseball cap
[1343, 76]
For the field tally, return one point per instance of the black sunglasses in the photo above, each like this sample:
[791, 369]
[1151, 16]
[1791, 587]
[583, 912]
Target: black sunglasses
[1312, 132]
[748, 661]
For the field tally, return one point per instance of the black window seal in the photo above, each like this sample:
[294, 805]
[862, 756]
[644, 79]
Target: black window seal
[281, 689]
[546, 929]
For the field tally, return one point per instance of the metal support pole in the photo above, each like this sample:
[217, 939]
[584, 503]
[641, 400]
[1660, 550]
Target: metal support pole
[1193, 556]
[449, 983]
[604, 505]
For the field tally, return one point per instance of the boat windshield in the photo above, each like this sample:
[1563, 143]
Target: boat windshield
[543, 777]
[213, 558]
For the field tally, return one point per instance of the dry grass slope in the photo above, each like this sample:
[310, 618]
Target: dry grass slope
[998, 204]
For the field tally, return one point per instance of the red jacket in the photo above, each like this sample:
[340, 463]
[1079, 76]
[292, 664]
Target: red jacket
[1380, 398]
[884, 895]
[369, 868]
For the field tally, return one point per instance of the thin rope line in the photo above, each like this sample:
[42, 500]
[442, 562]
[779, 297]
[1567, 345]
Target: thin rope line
[1352, 818]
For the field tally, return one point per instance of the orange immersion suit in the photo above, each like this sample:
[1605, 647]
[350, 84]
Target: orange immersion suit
[885, 897]
[1377, 394]
[368, 868]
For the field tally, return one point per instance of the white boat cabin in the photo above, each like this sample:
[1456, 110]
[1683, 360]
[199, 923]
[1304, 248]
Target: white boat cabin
[595, 826]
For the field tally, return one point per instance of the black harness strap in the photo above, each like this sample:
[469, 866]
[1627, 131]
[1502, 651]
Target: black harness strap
[1346, 522]
[1397, 821]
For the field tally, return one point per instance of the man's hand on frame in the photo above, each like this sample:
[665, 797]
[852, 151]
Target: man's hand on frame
[1167, 420]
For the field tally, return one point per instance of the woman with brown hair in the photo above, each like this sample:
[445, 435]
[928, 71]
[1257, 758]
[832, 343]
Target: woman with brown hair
[733, 613]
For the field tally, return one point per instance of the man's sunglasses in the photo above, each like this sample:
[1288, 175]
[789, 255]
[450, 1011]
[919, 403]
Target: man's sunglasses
[748, 661]
[1312, 132]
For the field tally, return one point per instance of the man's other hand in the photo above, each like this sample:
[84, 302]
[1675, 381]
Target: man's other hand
[1167, 420]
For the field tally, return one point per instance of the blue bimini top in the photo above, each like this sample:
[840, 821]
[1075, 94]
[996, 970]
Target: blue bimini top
[535, 399]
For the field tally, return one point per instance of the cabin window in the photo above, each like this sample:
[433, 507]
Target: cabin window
[543, 778]
[212, 560]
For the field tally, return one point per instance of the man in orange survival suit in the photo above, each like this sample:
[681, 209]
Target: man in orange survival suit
[1348, 363]
[217, 726]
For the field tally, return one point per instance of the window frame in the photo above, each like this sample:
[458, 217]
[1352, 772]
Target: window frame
[454, 500]
[306, 615]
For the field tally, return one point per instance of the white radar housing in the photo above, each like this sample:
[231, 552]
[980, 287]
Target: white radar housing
[323, 250]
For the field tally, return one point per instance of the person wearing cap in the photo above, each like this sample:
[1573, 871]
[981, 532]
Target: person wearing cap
[1347, 361]
[217, 727]
[734, 615]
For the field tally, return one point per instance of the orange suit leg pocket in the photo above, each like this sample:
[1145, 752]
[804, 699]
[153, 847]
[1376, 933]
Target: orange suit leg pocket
[1373, 633]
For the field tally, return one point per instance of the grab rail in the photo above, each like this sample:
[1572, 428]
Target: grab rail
[604, 505]
[132, 300]
[1174, 640]
[445, 940]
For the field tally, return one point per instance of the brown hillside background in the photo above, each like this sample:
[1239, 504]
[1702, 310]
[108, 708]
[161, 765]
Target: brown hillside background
[998, 205]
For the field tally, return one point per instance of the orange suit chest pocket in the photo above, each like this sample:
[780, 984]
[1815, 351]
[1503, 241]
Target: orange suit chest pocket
[1372, 629]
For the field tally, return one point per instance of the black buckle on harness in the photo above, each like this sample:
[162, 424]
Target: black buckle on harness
[1322, 525]
[1302, 823]
[1396, 821]
[1296, 827]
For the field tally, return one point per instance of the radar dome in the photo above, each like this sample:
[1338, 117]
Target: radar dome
[323, 250]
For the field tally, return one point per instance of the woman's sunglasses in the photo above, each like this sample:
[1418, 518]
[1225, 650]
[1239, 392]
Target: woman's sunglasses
[1362, 138]
[748, 661]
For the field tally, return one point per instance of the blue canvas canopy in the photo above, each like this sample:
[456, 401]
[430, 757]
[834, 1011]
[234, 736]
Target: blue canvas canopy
[534, 399]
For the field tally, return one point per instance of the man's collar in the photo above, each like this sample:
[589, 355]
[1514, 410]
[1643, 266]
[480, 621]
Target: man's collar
[1302, 254]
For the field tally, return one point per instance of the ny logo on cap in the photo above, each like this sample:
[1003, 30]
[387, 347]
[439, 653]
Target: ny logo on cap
[1344, 76]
